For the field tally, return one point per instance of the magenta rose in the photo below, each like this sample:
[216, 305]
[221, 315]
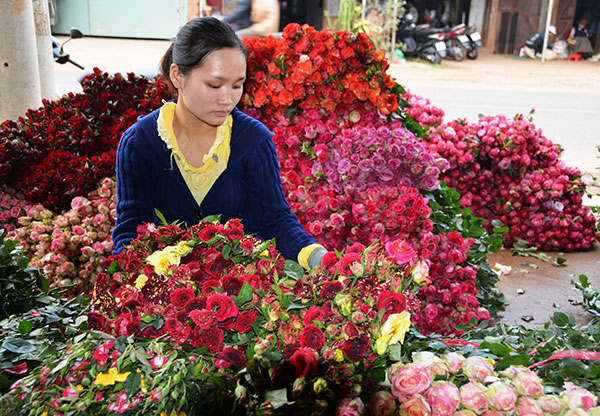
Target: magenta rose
[222, 305]
[408, 380]
[304, 361]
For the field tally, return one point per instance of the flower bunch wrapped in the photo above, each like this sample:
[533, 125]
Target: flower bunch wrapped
[505, 169]
[236, 322]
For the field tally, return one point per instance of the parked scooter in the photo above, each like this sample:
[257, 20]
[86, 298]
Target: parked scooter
[424, 43]
[60, 56]
[472, 42]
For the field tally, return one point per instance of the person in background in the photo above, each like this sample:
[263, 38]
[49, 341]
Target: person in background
[199, 155]
[264, 18]
[535, 43]
[240, 18]
[579, 41]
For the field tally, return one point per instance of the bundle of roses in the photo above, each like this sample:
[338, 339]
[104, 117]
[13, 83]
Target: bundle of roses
[459, 386]
[506, 169]
[61, 150]
[69, 248]
[233, 301]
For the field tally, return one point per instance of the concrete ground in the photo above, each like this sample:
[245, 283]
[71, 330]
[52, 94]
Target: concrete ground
[533, 293]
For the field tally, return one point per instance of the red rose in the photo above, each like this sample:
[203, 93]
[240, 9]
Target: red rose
[182, 316]
[173, 326]
[233, 229]
[312, 337]
[203, 318]
[208, 232]
[212, 339]
[330, 289]
[210, 285]
[304, 361]
[195, 303]
[351, 330]
[232, 284]
[234, 356]
[244, 321]
[314, 313]
[222, 305]
[96, 321]
[392, 302]
[179, 297]
[355, 348]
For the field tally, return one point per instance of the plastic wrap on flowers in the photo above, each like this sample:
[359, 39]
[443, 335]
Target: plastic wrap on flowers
[505, 169]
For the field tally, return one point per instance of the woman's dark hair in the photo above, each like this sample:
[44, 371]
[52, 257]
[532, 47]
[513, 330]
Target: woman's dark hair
[195, 40]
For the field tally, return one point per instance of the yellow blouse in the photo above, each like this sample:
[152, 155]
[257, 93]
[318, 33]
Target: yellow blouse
[199, 180]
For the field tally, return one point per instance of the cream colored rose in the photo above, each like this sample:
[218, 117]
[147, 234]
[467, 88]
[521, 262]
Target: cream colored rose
[162, 259]
[393, 331]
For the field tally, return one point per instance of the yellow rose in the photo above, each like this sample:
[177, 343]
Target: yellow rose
[393, 331]
[183, 248]
[162, 259]
[110, 378]
[420, 272]
[338, 356]
[141, 281]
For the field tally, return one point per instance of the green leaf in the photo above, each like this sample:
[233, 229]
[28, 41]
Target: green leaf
[245, 295]
[277, 398]
[499, 350]
[395, 351]
[43, 283]
[226, 251]
[25, 327]
[18, 346]
[133, 383]
[212, 218]
[515, 359]
[296, 306]
[293, 270]
[160, 216]
[560, 319]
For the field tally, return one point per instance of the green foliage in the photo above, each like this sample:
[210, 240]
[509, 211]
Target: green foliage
[19, 284]
[448, 216]
[591, 297]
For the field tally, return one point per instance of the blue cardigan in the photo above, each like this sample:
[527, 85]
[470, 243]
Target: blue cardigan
[250, 187]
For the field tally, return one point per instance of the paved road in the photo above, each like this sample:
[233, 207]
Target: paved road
[569, 118]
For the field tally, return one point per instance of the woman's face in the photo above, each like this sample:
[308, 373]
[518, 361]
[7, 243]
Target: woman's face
[211, 91]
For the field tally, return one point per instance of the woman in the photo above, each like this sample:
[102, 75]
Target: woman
[200, 156]
[579, 41]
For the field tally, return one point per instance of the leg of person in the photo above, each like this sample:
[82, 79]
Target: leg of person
[529, 52]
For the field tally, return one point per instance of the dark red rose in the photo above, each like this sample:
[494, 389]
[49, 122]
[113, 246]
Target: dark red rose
[304, 361]
[234, 356]
[247, 245]
[182, 316]
[351, 330]
[314, 313]
[392, 302]
[204, 318]
[233, 229]
[244, 321]
[312, 337]
[96, 321]
[222, 305]
[173, 326]
[232, 284]
[355, 348]
[289, 350]
[196, 303]
[330, 289]
[181, 296]
[210, 285]
[227, 324]
[208, 232]
[132, 265]
[211, 338]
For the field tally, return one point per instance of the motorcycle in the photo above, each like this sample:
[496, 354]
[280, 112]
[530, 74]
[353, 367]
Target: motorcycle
[60, 56]
[472, 41]
[423, 43]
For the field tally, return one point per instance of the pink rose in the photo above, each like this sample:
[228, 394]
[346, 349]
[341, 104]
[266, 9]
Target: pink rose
[443, 397]
[382, 403]
[350, 407]
[472, 396]
[415, 406]
[408, 380]
[477, 368]
[401, 251]
[464, 412]
[551, 404]
[527, 383]
[578, 397]
[453, 361]
[526, 406]
[70, 393]
[501, 396]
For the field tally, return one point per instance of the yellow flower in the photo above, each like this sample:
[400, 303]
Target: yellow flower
[141, 281]
[162, 259]
[183, 249]
[79, 387]
[173, 413]
[338, 356]
[110, 378]
[393, 331]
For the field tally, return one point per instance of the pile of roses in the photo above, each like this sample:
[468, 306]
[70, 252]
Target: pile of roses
[506, 169]
[63, 149]
[70, 248]
[209, 320]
